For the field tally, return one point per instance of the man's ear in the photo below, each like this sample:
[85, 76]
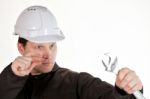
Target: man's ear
[21, 48]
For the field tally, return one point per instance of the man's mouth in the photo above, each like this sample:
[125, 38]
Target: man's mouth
[46, 63]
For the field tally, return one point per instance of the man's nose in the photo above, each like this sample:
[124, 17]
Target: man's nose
[46, 53]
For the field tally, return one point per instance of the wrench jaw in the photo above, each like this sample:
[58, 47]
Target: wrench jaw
[109, 63]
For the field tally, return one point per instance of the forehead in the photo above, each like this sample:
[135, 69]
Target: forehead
[33, 43]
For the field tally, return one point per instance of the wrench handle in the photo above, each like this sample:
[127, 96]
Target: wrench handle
[138, 95]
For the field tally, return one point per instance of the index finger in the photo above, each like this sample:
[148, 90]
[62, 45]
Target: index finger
[122, 73]
[34, 56]
[36, 59]
[32, 53]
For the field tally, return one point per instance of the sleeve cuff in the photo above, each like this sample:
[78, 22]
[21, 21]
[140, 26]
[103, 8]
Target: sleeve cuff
[122, 92]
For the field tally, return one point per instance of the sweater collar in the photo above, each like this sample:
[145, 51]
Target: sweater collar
[43, 75]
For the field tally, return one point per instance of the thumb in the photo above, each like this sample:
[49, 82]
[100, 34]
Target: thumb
[33, 64]
[117, 82]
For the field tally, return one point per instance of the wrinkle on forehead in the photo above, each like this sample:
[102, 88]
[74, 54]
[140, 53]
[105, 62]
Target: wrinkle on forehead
[41, 44]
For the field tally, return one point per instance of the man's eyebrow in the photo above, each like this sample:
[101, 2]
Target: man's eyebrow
[39, 45]
[53, 43]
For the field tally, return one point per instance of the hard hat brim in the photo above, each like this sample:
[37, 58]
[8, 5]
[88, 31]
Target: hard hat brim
[44, 38]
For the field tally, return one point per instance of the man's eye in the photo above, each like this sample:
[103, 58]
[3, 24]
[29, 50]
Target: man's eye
[38, 47]
[51, 46]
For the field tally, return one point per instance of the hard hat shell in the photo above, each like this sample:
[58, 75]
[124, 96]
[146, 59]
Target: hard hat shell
[38, 24]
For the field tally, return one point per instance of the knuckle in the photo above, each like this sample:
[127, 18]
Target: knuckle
[28, 58]
[129, 86]
[131, 72]
[128, 77]
[124, 70]
[128, 90]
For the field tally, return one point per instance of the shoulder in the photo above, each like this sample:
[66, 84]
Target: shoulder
[64, 72]
[79, 76]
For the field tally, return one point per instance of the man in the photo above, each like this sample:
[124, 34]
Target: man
[36, 75]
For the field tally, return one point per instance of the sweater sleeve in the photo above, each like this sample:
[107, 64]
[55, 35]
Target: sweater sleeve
[10, 84]
[90, 87]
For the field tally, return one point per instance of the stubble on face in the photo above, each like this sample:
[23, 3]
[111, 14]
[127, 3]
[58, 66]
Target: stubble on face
[47, 52]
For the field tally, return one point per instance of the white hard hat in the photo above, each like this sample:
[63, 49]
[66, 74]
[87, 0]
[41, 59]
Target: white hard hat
[38, 24]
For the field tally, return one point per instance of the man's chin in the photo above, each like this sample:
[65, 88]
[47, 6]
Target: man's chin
[44, 68]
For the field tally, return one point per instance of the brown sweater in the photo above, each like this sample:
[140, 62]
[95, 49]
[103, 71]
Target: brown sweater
[60, 83]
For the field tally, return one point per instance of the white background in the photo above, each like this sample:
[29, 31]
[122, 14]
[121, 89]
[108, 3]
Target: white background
[91, 27]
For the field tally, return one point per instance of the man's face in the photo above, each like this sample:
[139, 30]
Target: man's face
[45, 51]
